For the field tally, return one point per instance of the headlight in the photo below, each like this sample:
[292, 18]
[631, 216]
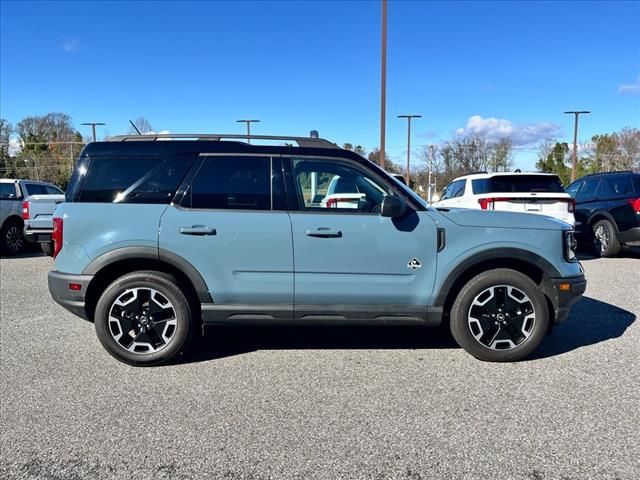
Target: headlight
[569, 245]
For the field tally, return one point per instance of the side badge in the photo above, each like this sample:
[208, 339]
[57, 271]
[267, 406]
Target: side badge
[414, 264]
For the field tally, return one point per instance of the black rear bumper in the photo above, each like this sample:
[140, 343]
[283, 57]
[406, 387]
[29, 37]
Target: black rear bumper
[72, 300]
[564, 299]
[630, 236]
[38, 235]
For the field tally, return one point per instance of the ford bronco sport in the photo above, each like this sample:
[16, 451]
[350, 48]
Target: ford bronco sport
[157, 238]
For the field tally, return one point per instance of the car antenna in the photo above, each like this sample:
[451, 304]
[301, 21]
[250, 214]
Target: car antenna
[134, 126]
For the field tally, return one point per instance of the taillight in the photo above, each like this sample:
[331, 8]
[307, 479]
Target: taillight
[486, 203]
[333, 202]
[56, 236]
[635, 204]
[571, 205]
[25, 210]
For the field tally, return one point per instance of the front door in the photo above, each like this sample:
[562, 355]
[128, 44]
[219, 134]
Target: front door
[349, 261]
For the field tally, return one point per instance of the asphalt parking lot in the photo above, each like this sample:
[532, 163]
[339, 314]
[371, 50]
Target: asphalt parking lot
[256, 403]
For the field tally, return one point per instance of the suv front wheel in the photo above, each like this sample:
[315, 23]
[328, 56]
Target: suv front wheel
[499, 316]
[143, 318]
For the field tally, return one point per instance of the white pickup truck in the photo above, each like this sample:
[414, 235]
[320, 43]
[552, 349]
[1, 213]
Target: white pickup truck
[26, 214]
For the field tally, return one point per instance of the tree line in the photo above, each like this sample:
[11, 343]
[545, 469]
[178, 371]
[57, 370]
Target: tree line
[46, 147]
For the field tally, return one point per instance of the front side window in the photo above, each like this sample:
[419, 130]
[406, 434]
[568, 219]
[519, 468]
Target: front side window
[327, 185]
[133, 180]
[573, 188]
[588, 191]
[232, 183]
[36, 189]
[453, 190]
[8, 191]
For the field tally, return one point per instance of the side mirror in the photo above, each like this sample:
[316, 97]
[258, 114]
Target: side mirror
[393, 207]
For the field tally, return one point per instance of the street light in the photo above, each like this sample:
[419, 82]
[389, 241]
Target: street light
[248, 122]
[383, 83]
[409, 117]
[93, 127]
[574, 160]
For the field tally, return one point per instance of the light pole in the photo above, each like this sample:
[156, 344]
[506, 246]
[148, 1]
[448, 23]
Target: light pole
[248, 122]
[432, 150]
[383, 83]
[574, 160]
[93, 127]
[409, 117]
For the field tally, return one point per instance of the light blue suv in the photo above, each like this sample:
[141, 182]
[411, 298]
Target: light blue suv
[157, 238]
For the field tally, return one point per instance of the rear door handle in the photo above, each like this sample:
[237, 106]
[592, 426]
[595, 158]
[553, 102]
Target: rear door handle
[200, 230]
[324, 232]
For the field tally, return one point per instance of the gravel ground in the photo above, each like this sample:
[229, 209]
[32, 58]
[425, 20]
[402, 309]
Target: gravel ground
[281, 403]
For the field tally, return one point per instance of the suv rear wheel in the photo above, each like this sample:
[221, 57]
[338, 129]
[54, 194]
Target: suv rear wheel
[499, 316]
[605, 240]
[143, 318]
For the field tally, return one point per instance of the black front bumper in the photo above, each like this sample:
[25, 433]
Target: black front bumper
[563, 300]
[72, 300]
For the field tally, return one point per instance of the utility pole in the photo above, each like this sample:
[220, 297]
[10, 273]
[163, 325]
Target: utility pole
[409, 117]
[574, 160]
[383, 84]
[93, 127]
[248, 122]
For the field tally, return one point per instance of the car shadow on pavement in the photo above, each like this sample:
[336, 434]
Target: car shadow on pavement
[626, 252]
[33, 254]
[223, 341]
[591, 321]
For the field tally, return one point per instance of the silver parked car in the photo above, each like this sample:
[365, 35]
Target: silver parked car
[13, 196]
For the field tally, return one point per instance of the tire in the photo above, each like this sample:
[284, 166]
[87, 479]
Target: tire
[126, 328]
[12, 241]
[605, 239]
[496, 333]
[47, 248]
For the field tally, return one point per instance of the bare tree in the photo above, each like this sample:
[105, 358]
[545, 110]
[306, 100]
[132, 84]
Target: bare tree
[141, 124]
[629, 144]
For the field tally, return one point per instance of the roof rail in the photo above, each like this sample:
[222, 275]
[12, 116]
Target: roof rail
[216, 137]
[606, 173]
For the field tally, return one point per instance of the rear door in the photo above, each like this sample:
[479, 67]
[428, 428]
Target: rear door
[231, 225]
[351, 263]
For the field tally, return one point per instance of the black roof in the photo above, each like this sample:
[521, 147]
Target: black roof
[154, 148]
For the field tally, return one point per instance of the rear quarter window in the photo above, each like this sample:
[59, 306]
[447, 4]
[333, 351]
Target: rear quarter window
[133, 180]
[618, 186]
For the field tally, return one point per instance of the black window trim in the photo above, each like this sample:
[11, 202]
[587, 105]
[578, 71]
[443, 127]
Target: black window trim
[181, 198]
[293, 201]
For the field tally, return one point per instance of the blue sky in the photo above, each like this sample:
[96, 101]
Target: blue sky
[484, 67]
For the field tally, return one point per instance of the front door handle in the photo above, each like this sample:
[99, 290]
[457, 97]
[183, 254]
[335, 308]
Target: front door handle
[324, 232]
[200, 230]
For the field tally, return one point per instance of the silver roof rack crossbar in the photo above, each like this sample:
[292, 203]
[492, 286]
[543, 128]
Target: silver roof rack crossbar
[215, 137]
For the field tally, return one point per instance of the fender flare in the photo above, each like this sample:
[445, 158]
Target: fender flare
[601, 213]
[152, 253]
[503, 253]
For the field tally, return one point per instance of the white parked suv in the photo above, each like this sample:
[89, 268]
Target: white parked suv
[538, 193]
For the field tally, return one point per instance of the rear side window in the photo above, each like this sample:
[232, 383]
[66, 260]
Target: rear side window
[8, 191]
[525, 183]
[232, 183]
[618, 186]
[133, 180]
[35, 189]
